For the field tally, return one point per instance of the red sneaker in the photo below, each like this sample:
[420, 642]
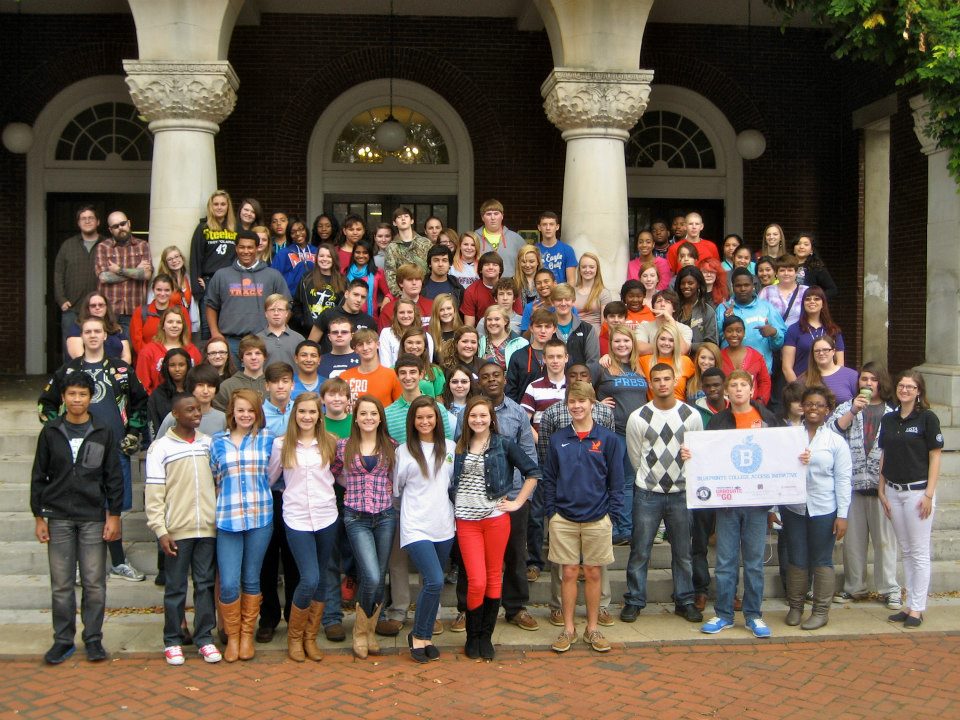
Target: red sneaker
[348, 589]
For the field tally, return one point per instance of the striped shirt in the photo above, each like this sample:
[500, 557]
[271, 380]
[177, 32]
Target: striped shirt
[471, 502]
[368, 491]
[396, 413]
[541, 394]
[244, 500]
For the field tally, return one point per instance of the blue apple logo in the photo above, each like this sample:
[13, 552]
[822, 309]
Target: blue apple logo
[747, 456]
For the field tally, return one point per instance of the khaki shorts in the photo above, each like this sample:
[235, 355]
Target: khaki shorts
[574, 543]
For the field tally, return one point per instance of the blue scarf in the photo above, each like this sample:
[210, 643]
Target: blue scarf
[353, 273]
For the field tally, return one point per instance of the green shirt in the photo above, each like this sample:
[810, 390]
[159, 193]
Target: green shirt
[434, 388]
[397, 420]
[339, 428]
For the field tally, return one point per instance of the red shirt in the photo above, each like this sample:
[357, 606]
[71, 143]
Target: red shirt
[386, 315]
[705, 248]
[149, 360]
[754, 364]
[477, 298]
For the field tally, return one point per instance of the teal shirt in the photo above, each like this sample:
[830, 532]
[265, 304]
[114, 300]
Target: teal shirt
[397, 420]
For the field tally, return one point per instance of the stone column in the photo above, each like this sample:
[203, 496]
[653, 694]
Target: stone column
[941, 369]
[184, 102]
[595, 111]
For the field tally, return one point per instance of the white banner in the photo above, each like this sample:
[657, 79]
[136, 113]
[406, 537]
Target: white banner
[746, 468]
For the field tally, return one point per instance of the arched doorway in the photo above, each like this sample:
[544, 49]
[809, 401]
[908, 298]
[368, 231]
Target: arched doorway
[682, 156]
[368, 188]
[87, 148]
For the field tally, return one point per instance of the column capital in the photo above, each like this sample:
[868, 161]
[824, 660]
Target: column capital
[579, 99]
[203, 91]
[921, 122]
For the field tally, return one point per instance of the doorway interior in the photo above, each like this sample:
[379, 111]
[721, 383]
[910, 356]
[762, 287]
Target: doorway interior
[376, 208]
[643, 211]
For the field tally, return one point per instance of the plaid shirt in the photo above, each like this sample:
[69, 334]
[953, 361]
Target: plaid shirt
[126, 296]
[367, 491]
[244, 501]
[557, 416]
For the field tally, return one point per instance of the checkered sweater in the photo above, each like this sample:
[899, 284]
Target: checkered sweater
[654, 438]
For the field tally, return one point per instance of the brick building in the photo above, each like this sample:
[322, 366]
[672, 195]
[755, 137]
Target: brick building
[303, 75]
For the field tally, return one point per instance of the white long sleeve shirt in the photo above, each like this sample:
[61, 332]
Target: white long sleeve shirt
[426, 512]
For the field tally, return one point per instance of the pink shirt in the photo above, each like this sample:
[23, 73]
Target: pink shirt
[633, 271]
[309, 503]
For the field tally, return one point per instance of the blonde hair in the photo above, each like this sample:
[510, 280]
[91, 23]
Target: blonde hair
[519, 281]
[181, 278]
[458, 257]
[230, 221]
[675, 334]
[593, 299]
[562, 291]
[616, 367]
[493, 310]
[395, 323]
[326, 443]
[267, 254]
[436, 327]
[694, 382]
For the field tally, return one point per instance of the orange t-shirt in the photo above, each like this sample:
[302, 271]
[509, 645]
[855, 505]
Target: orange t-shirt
[382, 383]
[684, 373]
[748, 420]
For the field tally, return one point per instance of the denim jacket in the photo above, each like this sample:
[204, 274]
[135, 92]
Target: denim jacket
[499, 461]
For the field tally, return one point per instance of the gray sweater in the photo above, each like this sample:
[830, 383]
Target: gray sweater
[237, 294]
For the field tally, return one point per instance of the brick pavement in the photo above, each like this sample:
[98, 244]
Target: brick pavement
[916, 676]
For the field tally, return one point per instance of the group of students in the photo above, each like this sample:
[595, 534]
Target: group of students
[427, 413]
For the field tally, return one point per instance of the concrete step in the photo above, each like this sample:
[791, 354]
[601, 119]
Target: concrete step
[19, 526]
[15, 496]
[26, 592]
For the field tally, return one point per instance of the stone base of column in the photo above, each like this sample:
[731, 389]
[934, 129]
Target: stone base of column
[943, 391]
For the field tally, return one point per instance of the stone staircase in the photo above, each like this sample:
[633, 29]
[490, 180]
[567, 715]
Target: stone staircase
[23, 561]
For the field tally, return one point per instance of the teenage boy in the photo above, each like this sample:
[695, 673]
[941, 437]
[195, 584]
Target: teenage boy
[119, 403]
[495, 237]
[545, 391]
[763, 325]
[678, 229]
[297, 256]
[407, 248]
[480, 295]
[439, 258]
[740, 530]
[410, 279]
[662, 239]
[306, 378]
[281, 342]
[234, 297]
[370, 376]
[352, 230]
[340, 357]
[253, 356]
[581, 339]
[202, 382]
[353, 307]
[76, 451]
[544, 282]
[583, 481]
[555, 417]
[555, 255]
[278, 381]
[278, 232]
[614, 313]
[337, 418]
[714, 400]
[181, 510]
[655, 435]
[526, 364]
[705, 248]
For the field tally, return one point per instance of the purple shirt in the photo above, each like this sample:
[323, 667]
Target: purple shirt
[803, 342]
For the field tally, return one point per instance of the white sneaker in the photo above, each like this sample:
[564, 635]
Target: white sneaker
[210, 654]
[893, 601]
[174, 655]
[126, 571]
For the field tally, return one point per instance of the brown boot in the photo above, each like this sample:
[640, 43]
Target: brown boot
[360, 629]
[249, 612]
[824, 579]
[796, 589]
[230, 612]
[295, 627]
[310, 631]
[373, 647]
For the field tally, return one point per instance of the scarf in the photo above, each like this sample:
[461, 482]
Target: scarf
[353, 273]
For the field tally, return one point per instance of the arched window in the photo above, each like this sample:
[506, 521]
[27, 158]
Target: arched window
[664, 139]
[106, 132]
[425, 144]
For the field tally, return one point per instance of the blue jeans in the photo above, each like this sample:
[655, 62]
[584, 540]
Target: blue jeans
[623, 522]
[535, 529]
[371, 537]
[239, 558]
[740, 531]
[649, 509]
[311, 551]
[332, 607]
[810, 540]
[430, 558]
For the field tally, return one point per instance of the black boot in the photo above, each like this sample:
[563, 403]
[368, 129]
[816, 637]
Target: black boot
[491, 607]
[474, 627]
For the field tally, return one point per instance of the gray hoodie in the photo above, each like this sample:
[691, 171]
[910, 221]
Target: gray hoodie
[237, 294]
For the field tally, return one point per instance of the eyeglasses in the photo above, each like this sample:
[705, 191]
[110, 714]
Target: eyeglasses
[119, 225]
[901, 386]
[821, 351]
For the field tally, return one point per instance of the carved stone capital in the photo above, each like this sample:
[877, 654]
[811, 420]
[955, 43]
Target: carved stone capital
[172, 90]
[578, 99]
[921, 122]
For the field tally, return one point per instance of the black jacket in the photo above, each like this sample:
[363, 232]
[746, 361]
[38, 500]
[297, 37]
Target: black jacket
[724, 419]
[821, 278]
[500, 459]
[66, 490]
[522, 370]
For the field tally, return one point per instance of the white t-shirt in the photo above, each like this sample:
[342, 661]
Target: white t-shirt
[426, 512]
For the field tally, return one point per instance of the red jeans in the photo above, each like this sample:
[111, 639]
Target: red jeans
[482, 545]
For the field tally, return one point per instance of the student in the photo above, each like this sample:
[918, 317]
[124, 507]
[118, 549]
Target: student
[340, 357]
[410, 279]
[483, 476]
[319, 291]
[172, 333]
[444, 322]
[763, 325]
[406, 316]
[439, 259]
[362, 267]
[581, 339]
[706, 248]
[480, 295]
[407, 248]
[462, 350]
[583, 479]
[337, 418]
[76, 447]
[297, 257]
[667, 351]
[145, 321]
[119, 403]
[422, 480]
[416, 342]
[253, 356]
[370, 376]
[666, 310]
[545, 282]
[238, 460]
[173, 374]
[495, 237]
[662, 238]
[212, 247]
[528, 262]
[545, 391]
[655, 435]
[382, 237]
[737, 356]
[351, 233]
[281, 342]
[307, 360]
[352, 308]
[556, 256]
[180, 506]
[278, 231]
[202, 382]
[465, 254]
[647, 253]
[304, 455]
[632, 295]
[497, 339]
[740, 530]
[526, 364]
[714, 400]
[614, 313]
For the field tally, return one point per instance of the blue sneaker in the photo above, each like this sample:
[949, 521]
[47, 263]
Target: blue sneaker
[758, 627]
[715, 625]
